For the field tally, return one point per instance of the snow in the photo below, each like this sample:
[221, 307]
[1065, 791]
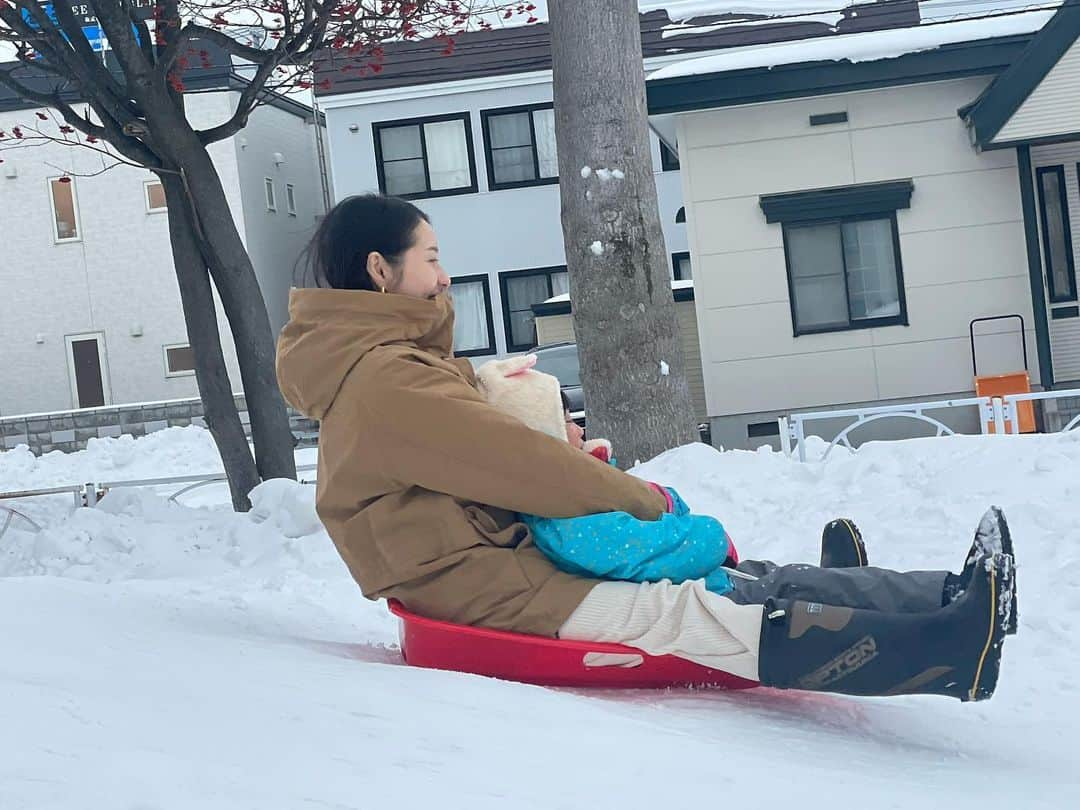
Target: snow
[683, 284]
[683, 29]
[597, 249]
[163, 655]
[665, 369]
[861, 47]
[585, 172]
[688, 9]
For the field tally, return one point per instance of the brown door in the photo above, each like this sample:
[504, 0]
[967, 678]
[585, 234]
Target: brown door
[86, 364]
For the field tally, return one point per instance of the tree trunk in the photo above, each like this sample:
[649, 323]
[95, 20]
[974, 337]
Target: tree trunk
[624, 316]
[236, 283]
[219, 407]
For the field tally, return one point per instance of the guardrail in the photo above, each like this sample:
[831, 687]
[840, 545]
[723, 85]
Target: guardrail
[90, 493]
[993, 411]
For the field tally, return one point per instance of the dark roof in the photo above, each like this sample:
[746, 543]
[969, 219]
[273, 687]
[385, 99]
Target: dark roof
[985, 57]
[219, 74]
[997, 104]
[527, 48]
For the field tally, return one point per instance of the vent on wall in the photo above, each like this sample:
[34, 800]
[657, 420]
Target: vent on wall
[759, 430]
[828, 118]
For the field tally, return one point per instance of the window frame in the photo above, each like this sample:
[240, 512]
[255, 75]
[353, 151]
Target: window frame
[1071, 295]
[900, 319]
[666, 162]
[78, 237]
[290, 199]
[675, 258]
[270, 193]
[491, 348]
[146, 197]
[465, 117]
[507, 275]
[485, 115]
[165, 355]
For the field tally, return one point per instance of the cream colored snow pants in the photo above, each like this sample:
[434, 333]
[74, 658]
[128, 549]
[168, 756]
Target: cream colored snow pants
[663, 619]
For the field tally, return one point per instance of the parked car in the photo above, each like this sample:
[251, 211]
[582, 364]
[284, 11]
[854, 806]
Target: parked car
[560, 360]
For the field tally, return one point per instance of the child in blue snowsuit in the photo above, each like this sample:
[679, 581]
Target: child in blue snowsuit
[616, 545]
[613, 545]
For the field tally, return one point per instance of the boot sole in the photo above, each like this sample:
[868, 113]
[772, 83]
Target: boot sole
[999, 580]
[1007, 547]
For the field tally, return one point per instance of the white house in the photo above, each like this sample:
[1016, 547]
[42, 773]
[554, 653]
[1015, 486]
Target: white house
[91, 312]
[855, 203]
[470, 137]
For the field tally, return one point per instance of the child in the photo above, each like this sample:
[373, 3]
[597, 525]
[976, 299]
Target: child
[614, 545]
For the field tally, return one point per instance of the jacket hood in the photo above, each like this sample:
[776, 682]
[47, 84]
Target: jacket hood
[330, 331]
[516, 388]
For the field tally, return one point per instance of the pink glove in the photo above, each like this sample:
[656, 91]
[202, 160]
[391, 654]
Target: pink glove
[667, 496]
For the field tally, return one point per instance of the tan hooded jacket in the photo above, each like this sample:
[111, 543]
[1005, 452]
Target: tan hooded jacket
[420, 478]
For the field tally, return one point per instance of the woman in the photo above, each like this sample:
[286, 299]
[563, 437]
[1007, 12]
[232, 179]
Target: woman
[420, 483]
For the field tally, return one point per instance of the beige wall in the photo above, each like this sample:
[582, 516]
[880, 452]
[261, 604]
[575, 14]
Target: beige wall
[560, 329]
[961, 244]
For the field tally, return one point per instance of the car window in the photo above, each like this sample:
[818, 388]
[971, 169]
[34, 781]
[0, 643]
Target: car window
[561, 363]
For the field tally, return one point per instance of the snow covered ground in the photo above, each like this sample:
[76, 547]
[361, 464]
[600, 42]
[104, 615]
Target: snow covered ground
[158, 655]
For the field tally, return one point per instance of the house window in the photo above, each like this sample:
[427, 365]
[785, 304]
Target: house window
[842, 249]
[669, 158]
[271, 197]
[1056, 234]
[179, 360]
[65, 208]
[520, 146]
[844, 275]
[290, 199]
[520, 290]
[155, 196]
[425, 157]
[680, 266]
[474, 327]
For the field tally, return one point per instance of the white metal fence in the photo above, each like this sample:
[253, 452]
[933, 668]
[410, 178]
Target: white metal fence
[993, 411]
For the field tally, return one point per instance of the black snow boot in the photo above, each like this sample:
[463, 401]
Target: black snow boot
[992, 537]
[954, 651]
[842, 545]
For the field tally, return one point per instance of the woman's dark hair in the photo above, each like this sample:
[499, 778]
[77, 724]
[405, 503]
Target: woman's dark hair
[565, 400]
[338, 252]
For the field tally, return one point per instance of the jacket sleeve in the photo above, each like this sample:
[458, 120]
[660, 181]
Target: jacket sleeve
[434, 430]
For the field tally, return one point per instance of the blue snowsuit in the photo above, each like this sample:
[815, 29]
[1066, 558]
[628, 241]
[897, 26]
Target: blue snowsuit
[616, 545]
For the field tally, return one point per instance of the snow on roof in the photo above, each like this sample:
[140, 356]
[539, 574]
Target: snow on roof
[688, 9]
[681, 28]
[861, 47]
[685, 284]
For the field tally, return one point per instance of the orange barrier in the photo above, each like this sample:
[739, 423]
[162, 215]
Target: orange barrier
[998, 385]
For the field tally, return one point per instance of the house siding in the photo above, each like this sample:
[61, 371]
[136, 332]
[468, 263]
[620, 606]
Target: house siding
[274, 239]
[961, 248]
[1052, 108]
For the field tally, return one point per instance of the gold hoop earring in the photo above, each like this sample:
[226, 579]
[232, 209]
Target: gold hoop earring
[382, 290]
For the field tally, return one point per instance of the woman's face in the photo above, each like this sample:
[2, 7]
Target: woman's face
[574, 432]
[419, 274]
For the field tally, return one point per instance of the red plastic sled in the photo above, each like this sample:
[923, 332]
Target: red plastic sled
[547, 661]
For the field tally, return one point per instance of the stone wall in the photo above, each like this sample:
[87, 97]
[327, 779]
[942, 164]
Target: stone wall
[69, 431]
